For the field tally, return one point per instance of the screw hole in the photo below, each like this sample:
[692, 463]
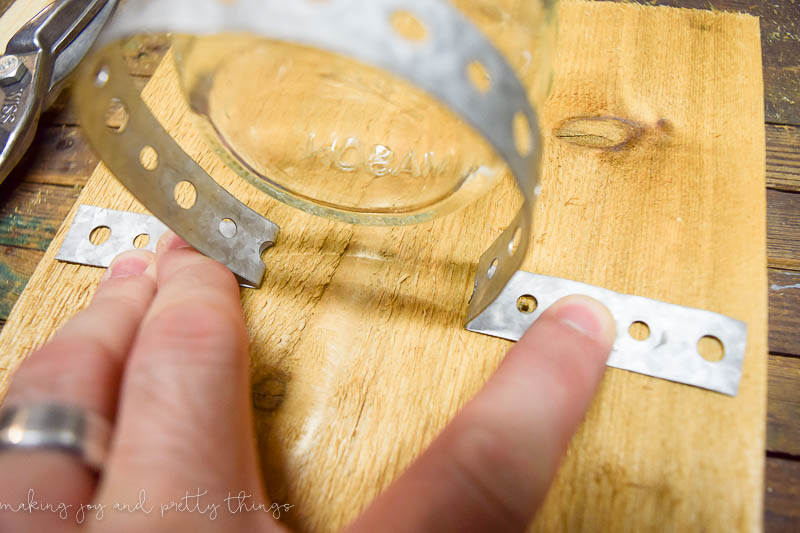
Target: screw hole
[711, 348]
[493, 268]
[408, 26]
[639, 330]
[148, 157]
[228, 228]
[185, 194]
[527, 304]
[479, 76]
[116, 116]
[141, 240]
[99, 235]
[523, 138]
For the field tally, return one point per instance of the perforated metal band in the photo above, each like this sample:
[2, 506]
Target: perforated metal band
[438, 64]
[668, 350]
[124, 228]
[153, 182]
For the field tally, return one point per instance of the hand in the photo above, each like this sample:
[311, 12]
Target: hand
[162, 353]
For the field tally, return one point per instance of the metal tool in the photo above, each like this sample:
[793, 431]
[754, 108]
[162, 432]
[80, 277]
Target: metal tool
[38, 60]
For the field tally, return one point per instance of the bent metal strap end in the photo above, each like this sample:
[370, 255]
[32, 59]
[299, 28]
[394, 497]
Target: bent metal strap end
[144, 157]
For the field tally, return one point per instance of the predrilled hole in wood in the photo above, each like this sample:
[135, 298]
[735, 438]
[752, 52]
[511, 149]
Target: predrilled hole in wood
[479, 76]
[639, 330]
[227, 227]
[711, 348]
[527, 304]
[141, 240]
[408, 26]
[99, 235]
[116, 116]
[148, 158]
[493, 268]
[523, 137]
[185, 194]
[513, 246]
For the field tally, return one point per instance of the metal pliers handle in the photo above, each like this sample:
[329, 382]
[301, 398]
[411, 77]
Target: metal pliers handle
[37, 61]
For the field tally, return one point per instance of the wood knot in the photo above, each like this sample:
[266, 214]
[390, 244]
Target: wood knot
[603, 133]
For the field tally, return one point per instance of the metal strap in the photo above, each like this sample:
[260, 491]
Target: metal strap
[438, 64]
[124, 228]
[125, 152]
[669, 351]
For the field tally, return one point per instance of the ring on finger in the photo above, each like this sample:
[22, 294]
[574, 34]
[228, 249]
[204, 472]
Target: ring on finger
[54, 426]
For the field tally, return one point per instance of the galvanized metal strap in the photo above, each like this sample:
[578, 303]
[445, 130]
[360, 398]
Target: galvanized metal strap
[668, 350]
[437, 64]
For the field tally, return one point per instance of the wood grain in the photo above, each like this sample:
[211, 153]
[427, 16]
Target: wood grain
[783, 229]
[358, 353]
[781, 512]
[783, 156]
[780, 42]
[33, 213]
[784, 313]
[15, 269]
[59, 155]
[783, 433]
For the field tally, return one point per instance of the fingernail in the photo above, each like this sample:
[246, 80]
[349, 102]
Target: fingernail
[587, 316]
[171, 241]
[129, 264]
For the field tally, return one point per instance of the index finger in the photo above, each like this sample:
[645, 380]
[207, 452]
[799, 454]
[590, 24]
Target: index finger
[185, 417]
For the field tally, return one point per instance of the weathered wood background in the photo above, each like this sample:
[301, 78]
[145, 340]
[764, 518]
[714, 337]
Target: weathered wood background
[37, 197]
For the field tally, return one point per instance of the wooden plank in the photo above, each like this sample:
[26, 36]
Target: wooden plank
[784, 312]
[16, 266]
[4, 5]
[783, 229]
[355, 312]
[780, 31]
[31, 214]
[783, 157]
[59, 155]
[783, 416]
[143, 53]
[782, 496]
[784, 293]
[780, 43]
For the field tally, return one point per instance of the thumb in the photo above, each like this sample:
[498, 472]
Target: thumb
[492, 466]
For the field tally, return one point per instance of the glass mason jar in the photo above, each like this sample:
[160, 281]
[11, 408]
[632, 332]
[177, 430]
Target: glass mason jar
[344, 140]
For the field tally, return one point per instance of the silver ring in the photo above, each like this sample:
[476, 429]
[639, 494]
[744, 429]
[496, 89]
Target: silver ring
[52, 426]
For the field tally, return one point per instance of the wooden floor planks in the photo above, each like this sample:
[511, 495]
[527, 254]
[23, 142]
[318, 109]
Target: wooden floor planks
[61, 157]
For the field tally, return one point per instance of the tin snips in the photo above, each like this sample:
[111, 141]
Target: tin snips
[37, 61]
